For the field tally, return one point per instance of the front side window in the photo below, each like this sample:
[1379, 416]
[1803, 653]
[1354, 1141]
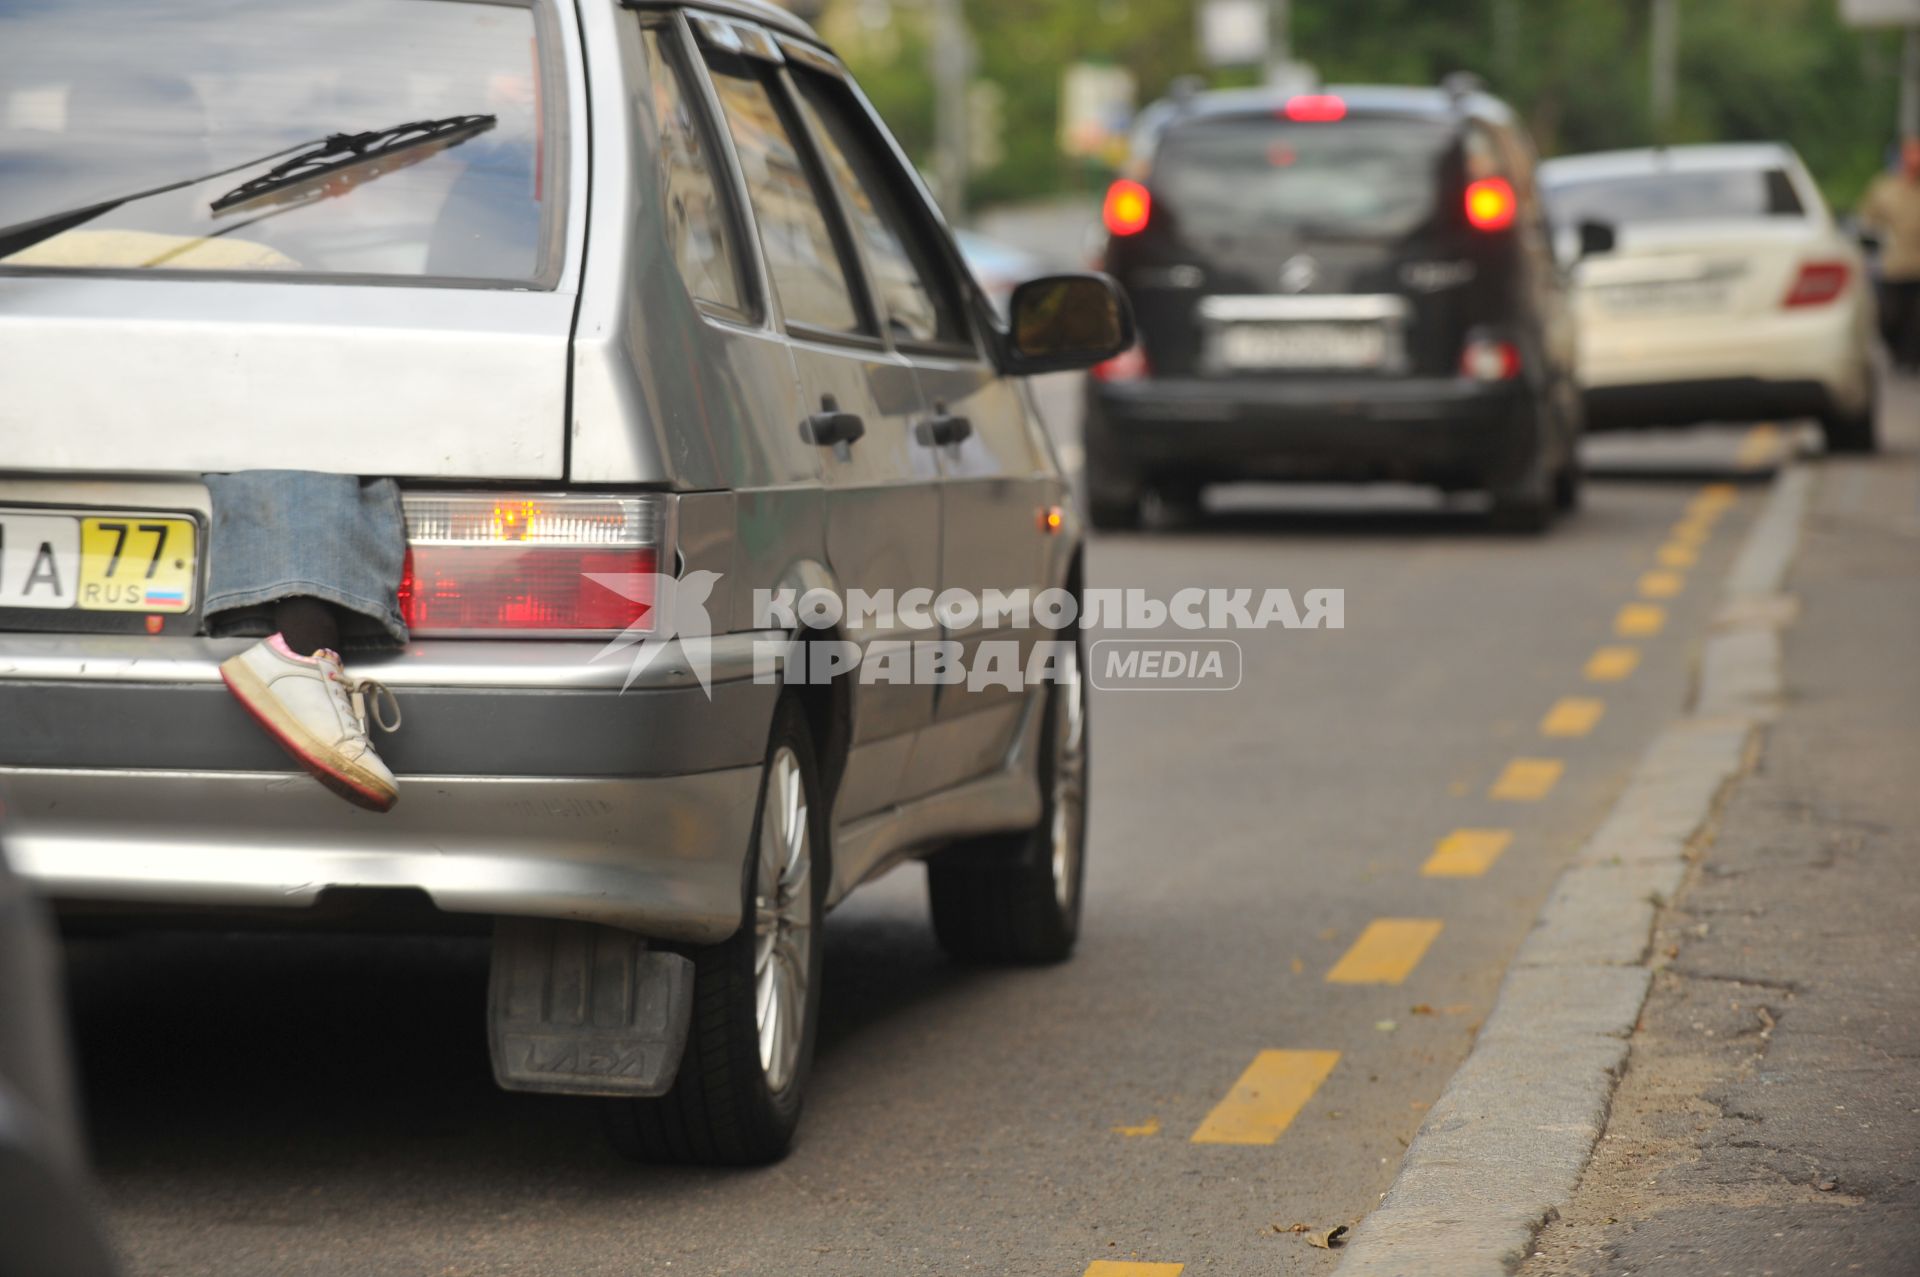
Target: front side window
[806, 264]
[917, 310]
[406, 138]
[698, 221]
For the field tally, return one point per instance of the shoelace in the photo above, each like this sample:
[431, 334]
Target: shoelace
[359, 693]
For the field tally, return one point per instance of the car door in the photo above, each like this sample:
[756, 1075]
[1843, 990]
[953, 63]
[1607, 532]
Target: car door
[997, 478]
[859, 399]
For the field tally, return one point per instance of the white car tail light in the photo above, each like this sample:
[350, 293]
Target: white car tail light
[1818, 283]
[498, 565]
[1489, 359]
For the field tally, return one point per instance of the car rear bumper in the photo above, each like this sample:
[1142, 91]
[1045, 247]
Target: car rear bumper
[530, 784]
[1450, 431]
[1676, 403]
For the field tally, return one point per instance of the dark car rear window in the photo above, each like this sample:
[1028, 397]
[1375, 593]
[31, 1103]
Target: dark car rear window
[1358, 177]
[1678, 197]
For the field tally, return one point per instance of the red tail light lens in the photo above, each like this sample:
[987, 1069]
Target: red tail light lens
[1316, 108]
[1129, 365]
[1818, 284]
[1490, 204]
[1487, 359]
[1127, 208]
[481, 565]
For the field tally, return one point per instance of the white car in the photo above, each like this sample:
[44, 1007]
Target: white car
[1730, 293]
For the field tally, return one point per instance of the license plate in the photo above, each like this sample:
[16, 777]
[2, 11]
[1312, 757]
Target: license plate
[52, 561]
[1294, 345]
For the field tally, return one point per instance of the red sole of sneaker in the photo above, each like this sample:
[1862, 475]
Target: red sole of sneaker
[341, 784]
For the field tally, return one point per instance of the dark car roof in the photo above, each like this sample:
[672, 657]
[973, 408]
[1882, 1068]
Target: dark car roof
[1393, 100]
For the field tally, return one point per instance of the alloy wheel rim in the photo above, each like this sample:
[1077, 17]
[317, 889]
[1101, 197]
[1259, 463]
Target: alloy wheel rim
[1069, 782]
[782, 920]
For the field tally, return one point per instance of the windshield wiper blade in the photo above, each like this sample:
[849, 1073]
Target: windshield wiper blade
[339, 151]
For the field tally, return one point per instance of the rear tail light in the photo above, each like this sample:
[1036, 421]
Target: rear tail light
[1818, 283]
[1127, 208]
[1490, 204]
[1490, 359]
[1129, 365]
[1316, 108]
[505, 564]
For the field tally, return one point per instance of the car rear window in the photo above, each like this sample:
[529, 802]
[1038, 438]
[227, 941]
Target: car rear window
[232, 104]
[1700, 195]
[1356, 178]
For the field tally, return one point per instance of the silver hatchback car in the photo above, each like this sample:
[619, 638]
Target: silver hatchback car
[635, 299]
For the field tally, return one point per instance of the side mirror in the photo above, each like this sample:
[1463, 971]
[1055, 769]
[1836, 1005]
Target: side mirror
[1596, 238]
[1060, 323]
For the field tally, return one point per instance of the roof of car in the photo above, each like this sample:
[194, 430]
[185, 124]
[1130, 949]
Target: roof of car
[766, 14]
[1361, 99]
[1667, 159]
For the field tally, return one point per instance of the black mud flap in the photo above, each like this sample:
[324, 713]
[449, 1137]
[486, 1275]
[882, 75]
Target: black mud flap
[574, 1008]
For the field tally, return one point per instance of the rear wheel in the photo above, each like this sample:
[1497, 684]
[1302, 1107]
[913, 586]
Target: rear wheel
[1015, 898]
[1854, 432]
[1111, 513]
[1567, 482]
[756, 996]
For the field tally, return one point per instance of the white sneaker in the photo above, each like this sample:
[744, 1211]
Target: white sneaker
[311, 708]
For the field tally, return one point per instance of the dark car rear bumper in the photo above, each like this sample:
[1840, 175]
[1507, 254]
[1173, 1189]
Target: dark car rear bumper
[1681, 403]
[1452, 432]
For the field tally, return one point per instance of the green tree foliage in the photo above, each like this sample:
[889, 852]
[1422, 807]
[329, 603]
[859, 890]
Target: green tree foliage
[1576, 69]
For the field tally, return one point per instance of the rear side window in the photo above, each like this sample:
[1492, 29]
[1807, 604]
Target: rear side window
[808, 267]
[1711, 195]
[1360, 178]
[918, 307]
[699, 222]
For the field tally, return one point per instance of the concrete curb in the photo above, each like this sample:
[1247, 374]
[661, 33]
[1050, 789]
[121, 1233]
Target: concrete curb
[1506, 1144]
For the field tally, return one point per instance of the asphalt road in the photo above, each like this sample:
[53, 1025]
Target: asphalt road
[1184, 1092]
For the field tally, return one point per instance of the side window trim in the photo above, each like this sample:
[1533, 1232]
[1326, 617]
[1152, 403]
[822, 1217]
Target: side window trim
[684, 58]
[911, 202]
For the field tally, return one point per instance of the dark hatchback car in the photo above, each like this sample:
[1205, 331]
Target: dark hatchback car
[1346, 286]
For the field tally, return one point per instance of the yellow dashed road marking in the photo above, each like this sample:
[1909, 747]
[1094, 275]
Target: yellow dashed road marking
[1675, 555]
[1715, 497]
[1266, 1099]
[1527, 779]
[1661, 585]
[1121, 1268]
[1639, 620]
[1572, 716]
[1149, 1127]
[1611, 664]
[1386, 952]
[1466, 853]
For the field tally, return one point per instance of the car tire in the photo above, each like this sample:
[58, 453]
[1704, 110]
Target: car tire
[737, 1098]
[1016, 898]
[1853, 433]
[1114, 513]
[1567, 482]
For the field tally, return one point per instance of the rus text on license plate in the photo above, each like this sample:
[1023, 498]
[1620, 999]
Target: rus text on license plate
[1300, 345]
[97, 562]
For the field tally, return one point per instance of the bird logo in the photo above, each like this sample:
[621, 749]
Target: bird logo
[676, 610]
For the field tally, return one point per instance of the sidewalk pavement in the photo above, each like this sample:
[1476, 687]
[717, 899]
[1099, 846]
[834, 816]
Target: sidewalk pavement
[1769, 1118]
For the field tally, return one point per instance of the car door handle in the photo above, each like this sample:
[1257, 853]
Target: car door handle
[831, 426]
[941, 430]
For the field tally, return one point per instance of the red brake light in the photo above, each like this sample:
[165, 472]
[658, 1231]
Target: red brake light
[1129, 365]
[1316, 108]
[1128, 207]
[1490, 204]
[1488, 359]
[1818, 284]
[485, 564]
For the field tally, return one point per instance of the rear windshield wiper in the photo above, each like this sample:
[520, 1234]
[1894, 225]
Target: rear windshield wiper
[340, 151]
[315, 160]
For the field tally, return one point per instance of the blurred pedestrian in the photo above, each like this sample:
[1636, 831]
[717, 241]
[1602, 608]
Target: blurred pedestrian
[1891, 209]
